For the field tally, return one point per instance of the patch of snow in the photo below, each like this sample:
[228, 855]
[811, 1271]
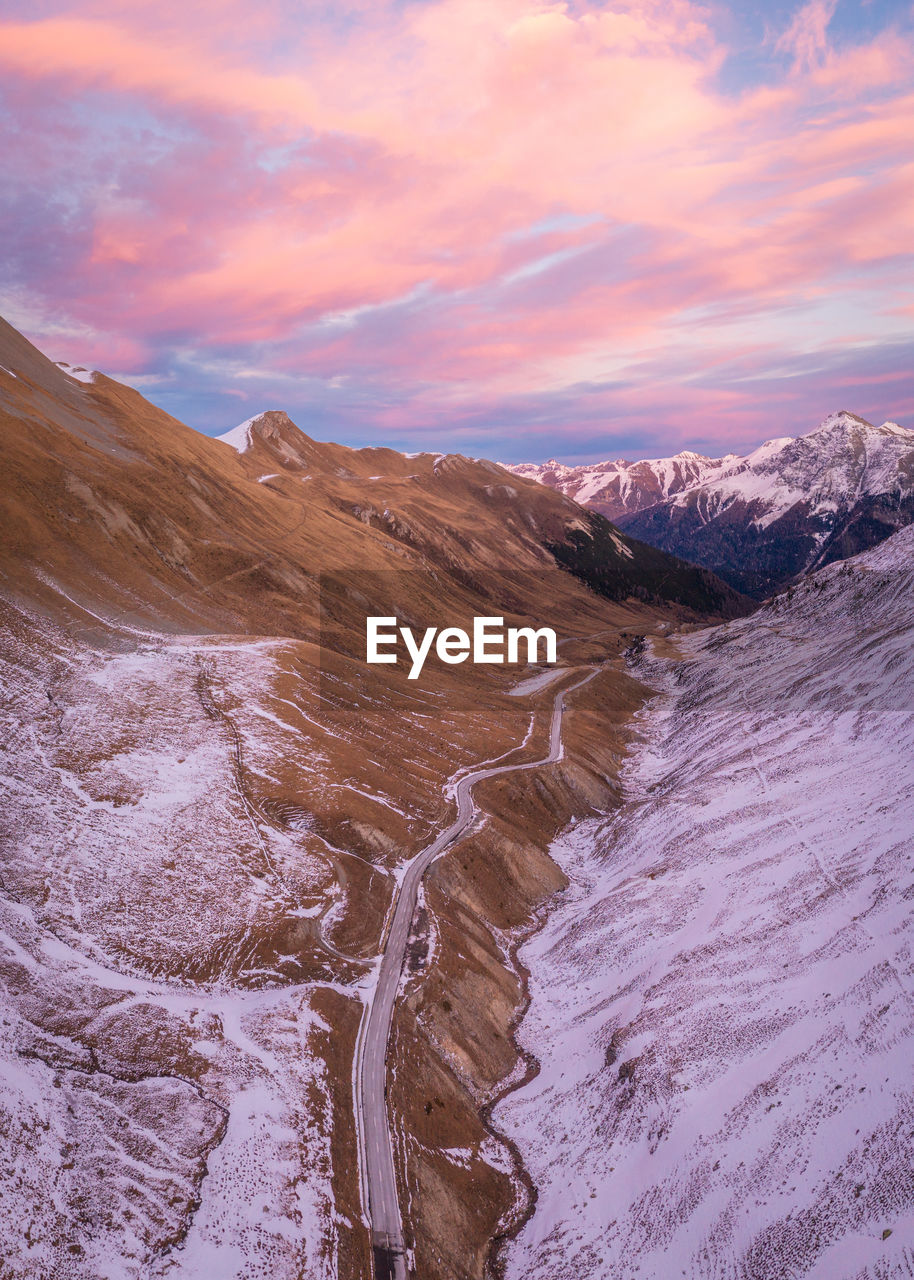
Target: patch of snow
[120, 801]
[77, 372]
[261, 1215]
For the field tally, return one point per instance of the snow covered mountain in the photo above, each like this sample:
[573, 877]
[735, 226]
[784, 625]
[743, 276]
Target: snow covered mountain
[617, 489]
[762, 520]
[722, 1006]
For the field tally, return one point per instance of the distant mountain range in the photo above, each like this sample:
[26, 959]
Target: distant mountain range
[763, 520]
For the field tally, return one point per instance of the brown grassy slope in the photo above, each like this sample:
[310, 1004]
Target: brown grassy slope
[123, 505]
[129, 509]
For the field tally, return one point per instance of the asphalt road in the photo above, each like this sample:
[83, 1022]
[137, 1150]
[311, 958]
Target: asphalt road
[376, 1150]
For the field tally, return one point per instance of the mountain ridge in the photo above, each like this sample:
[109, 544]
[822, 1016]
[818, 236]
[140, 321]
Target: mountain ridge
[762, 519]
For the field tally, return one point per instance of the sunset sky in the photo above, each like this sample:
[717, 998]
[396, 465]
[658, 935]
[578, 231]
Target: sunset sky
[519, 230]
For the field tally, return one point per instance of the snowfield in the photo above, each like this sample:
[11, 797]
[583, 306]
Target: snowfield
[722, 1000]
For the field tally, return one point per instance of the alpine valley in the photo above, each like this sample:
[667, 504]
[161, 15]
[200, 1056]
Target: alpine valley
[309, 970]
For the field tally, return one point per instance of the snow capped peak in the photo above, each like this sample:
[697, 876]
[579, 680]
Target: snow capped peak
[770, 449]
[840, 418]
[240, 437]
[273, 427]
[845, 423]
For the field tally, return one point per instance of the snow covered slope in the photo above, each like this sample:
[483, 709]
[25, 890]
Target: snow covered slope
[722, 1001]
[240, 437]
[158, 1074]
[762, 520]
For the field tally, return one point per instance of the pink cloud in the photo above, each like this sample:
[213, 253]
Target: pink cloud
[806, 37]
[316, 172]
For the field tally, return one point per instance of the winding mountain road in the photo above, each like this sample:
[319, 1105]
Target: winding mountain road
[379, 1182]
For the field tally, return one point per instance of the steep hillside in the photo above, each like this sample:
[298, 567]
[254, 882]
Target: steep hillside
[721, 1002]
[762, 520]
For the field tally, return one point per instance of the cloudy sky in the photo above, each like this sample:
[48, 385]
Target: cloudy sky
[512, 228]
